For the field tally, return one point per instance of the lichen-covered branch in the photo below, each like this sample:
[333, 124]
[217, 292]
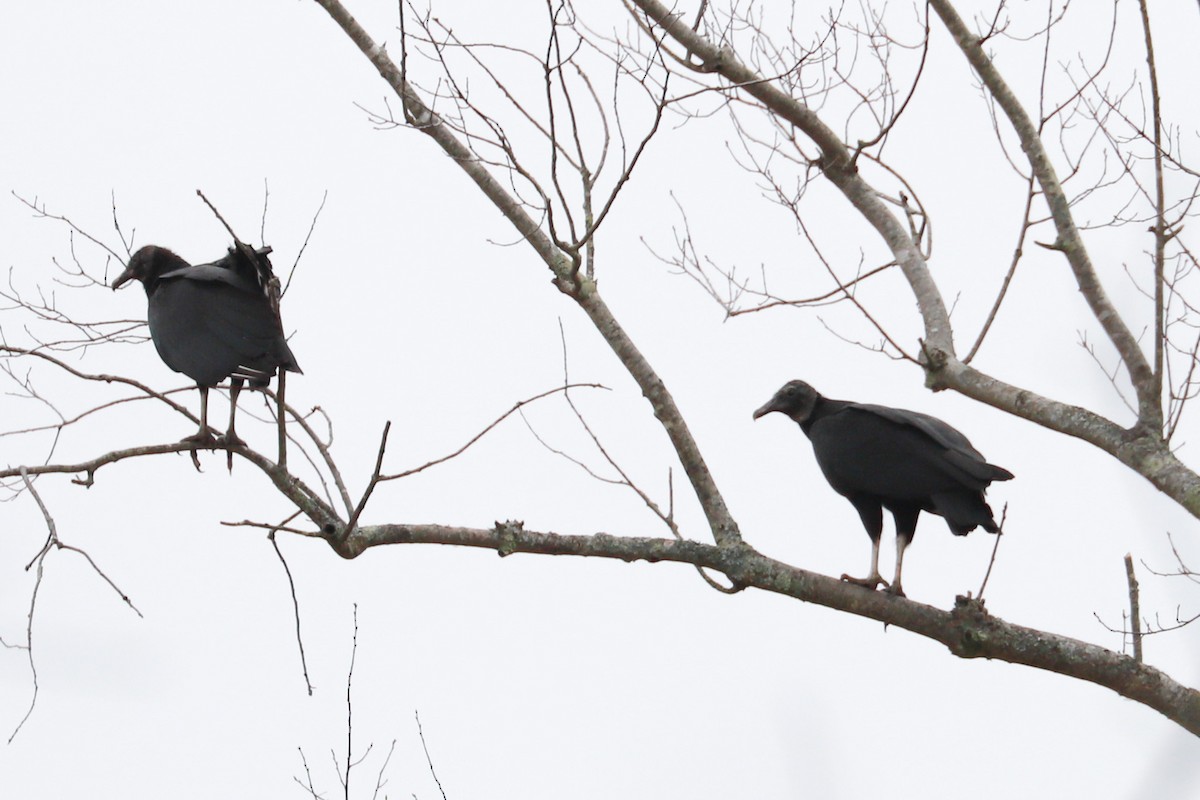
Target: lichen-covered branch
[1069, 241]
[968, 630]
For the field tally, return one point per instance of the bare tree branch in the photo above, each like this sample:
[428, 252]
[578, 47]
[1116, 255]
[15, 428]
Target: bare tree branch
[428, 759]
[968, 631]
[295, 601]
[1135, 609]
[1069, 242]
[566, 277]
[1142, 449]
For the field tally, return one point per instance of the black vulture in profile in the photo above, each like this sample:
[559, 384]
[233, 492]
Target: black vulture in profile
[879, 457]
[214, 321]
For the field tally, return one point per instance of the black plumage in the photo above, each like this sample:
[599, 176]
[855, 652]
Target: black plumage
[214, 321]
[907, 462]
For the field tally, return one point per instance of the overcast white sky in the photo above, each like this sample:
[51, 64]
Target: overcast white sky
[534, 677]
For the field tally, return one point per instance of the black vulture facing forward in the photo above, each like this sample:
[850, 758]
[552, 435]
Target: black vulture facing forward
[212, 322]
[879, 457]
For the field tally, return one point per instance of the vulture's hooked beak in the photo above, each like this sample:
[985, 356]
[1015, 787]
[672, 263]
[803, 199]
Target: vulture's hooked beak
[124, 277]
[766, 409]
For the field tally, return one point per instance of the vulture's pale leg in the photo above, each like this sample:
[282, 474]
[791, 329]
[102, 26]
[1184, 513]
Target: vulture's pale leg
[874, 579]
[871, 514]
[906, 529]
[902, 543]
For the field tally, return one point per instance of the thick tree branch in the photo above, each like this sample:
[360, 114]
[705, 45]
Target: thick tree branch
[967, 630]
[1069, 241]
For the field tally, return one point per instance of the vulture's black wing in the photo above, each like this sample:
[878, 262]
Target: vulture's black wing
[211, 323]
[958, 450]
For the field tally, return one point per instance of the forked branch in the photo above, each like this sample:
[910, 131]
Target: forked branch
[567, 276]
[1142, 449]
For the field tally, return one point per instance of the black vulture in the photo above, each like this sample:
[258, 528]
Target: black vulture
[907, 462]
[214, 321]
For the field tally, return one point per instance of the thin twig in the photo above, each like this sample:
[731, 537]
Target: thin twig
[52, 542]
[668, 519]
[308, 777]
[37, 584]
[516, 407]
[995, 549]
[295, 602]
[373, 482]
[41, 211]
[428, 760]
[1135, 609]
[1018, 252]
[124, 597]
[60, 545]
[379, 780]
[350, 708]
[218, 215]
[304, 245]
[271, 526]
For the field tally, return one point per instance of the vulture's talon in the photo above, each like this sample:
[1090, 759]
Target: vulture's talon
[871, 582]
[203, 439]
[231, 439]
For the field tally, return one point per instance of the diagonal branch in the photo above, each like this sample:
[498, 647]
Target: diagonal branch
[1162, 232]
[1069, 241]
[566, 276]
[836, 162]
